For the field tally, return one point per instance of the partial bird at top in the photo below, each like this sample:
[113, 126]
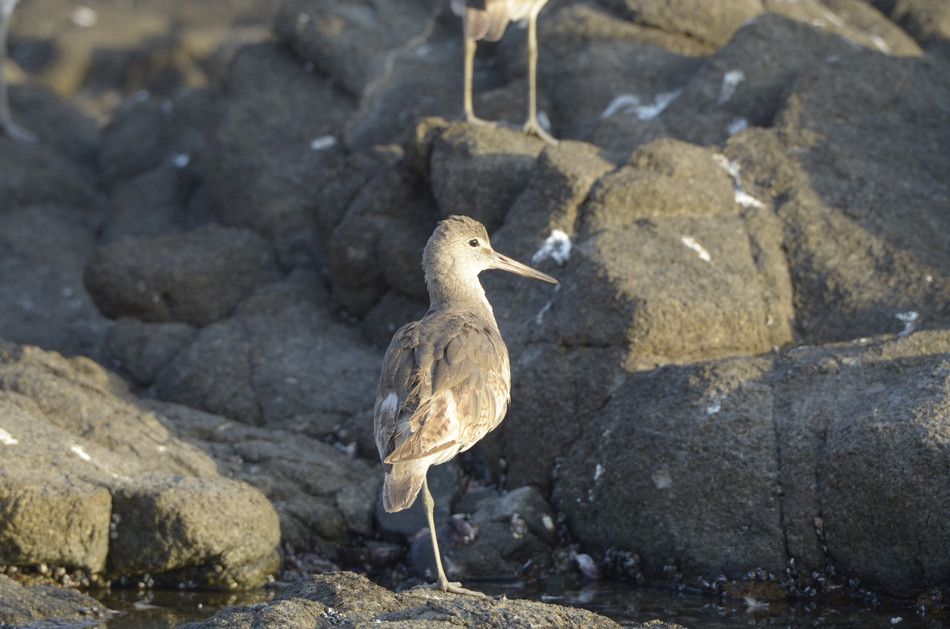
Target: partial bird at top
[488, 19]
[7, 125]
[446, 380]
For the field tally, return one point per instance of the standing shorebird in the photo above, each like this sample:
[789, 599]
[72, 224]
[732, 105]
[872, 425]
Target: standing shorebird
[488, 19]
[446, 380]
[7, 125]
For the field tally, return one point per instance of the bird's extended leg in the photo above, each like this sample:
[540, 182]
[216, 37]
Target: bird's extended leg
[7, 125]
[443, 582]
[469, 80]
[532, 126]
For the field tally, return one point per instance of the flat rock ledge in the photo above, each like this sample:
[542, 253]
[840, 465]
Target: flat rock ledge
[346, 599]
[56, 607]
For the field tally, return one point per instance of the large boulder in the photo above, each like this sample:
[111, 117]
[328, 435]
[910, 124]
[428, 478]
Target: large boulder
[726, 466]
[284, 360]
[351, 599]
[92, 480]
[195, 278]
[862, 222]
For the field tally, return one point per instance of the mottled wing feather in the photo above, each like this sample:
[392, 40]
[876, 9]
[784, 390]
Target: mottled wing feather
[460, 390]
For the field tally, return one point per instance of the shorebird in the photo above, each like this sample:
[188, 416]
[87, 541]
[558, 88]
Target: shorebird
[7, 125]
[446, 380]
[488, 19]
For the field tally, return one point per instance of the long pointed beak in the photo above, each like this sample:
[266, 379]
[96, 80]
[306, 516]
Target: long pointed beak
[513, 266]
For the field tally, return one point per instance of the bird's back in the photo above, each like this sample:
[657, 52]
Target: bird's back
[444, 385]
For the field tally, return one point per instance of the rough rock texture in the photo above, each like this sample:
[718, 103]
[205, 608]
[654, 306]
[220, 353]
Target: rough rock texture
[142, 350]
[43, 605]
[500, 538]
[88, 473]
[734, 464]
[323, 497]
[283, 360]
[196, 278]
[350, 600]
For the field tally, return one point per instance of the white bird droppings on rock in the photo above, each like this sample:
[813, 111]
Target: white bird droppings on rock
[754, 605]
[181, 160]
[84, 17]
[661, 479]
[7, 439]
[625, 103]
[544, 121]
[714, 407]
[691, 243]
[743, 198]
[910, 319]
[557, 246]
[896, 620]
[539, 318]
[547, 522]
[598, 472]
[82, 454]
[730, 81]
[737, 125]
[323, 143]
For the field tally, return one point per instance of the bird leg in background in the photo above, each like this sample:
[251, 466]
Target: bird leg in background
[443, 582]
[532, 126]
[469, 79]
[6, 119]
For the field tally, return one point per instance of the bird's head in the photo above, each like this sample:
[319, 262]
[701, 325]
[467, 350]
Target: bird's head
[459, 247]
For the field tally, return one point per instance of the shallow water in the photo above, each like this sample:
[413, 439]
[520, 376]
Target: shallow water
[623, 603]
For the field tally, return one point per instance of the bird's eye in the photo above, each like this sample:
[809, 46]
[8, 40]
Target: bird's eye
[473, 242]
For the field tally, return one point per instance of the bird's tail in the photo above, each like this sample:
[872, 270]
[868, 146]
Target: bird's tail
[401, 485]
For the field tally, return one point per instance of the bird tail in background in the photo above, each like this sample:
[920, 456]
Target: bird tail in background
[401, 485]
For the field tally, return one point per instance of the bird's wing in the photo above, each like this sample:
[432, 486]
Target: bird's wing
[486, 19]
[457, 389]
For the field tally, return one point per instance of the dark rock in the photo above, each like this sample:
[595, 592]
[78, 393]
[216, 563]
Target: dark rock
[354, 43]
[150, 204]
[260, 366]
[444, 483]
[43, 249]
[928, 21]
[350, 599]
[197, 277]
[390, 313]
[44, 605]
[693, 18]
[862, 224]
[270, 155]
[95, 481]
[142, 350]
[56, 124]
[838, 433]
[35, 174]
[480, 171]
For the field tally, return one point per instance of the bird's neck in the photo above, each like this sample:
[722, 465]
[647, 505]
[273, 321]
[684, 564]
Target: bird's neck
[452, 290]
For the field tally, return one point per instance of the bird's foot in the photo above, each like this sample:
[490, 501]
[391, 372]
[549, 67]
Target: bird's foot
[454, 587]
[532, 127]
[475, 120]
[18, 133]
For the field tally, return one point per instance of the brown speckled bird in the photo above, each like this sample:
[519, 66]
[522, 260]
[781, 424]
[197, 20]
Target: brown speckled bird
[446, 380]
[488, 19]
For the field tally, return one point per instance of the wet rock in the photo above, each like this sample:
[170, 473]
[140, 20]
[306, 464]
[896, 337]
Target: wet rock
[352, 599]
[479, 171]
[195, 278]
[143, 349]
[21, 605]
[269, 151]
[835, 433]
[82, 459]
[43, 249]
[444, 483]
[260, 365]
[861, 225]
